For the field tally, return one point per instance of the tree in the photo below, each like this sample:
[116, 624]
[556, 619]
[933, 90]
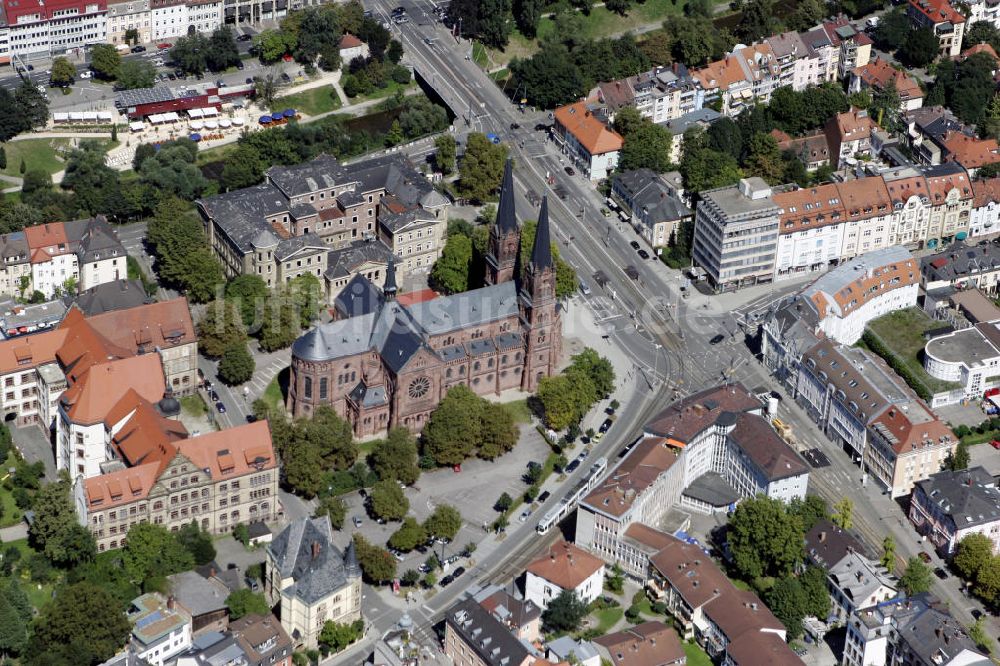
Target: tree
[810, 510]
[303, 464]
[377, 564]
[55, 531]
[409, 535]
[597, 369]
[246, 602]
[892, 29]
[243, 168]
[481, 168]
[134, 73]
[704, 168]
[564, 400]
[444, 522]
[808, 13]
[152, 551]
[191, 53]
[817, 596]
[132, 36]
[764, 538]
[920, 48]
[503, 503]
[395, 457]
[758, 21]
[236, 365]
[410, 577]
[15, 615]
[787, 600]
[222, 51]
[453, 428]
[444, 158]
[388, 500]
[451, 272]
[988, 580]
[222, 325]
[647, 147]
[105, 60]
[843, 514]
[615, 581]
[3, 157]
[241, 533]
[764, 158]
[973, 553]
[527, 14]
[267, 89]
[658, 47]
[172, 170]
[197, 542]
[550, 77]
[394, 52]
[272, 44]
[888, 560]
[958, 460]
[35, 180]
[83, 624]
[916, 577]
[336, 636]
[565, 612]
[334, 508]
[63, 72]
[280, 324]
[498, 432]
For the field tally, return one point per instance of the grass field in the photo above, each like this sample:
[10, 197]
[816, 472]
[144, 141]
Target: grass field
[193, 405]
[607, 618]
[38, 594]
[903, 332]
[272, 394]
[36, 153]
[380, 93]
[311, 102]
[519, 410]
[695, 655]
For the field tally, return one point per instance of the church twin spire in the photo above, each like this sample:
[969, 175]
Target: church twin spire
[505, 237]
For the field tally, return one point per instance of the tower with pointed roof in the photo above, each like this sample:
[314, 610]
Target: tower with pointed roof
[389, 288]
[539, 309]
[505, 236]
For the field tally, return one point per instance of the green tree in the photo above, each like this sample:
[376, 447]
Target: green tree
[134, 73]
[222, 325]
[3, 157]
[920, 48]
[272, 44]
[132, 36]
[888, 560]
[615, 581]
[105, 60]
[481, 168]
[245, 602]
[236, 365]
[527, 14]
[810, 510]
[973, 553]
[395, 457]
[596, 368]
[388, 500]
[885, 106]
[244, 167]
[15, 615]
[222, 52]
[377, 564]
[916, 577]
[303, 465]
[787, 600]
[498, 432]
[197, 542]
[451, 272]
[758, 21]
[565, 612]
[409, 535]
[190, 53]
[445, 521]
[172, 170]
[336, 636]
[817, 596]
[564, 400]
[550, 77]
[843, 514]
[764, 538]
[83, 624]
[55, 531]
[958, 460]
[453, 428]
[151, 551]
[807, 14]
[444, 158]
[331, 435]
[704, 168]
[334, 508]
[503, 503]
[987, 580]
[892, 29]
[764, 158]
[241, 533]
[63, 72]
[647, 147]
[280, 323]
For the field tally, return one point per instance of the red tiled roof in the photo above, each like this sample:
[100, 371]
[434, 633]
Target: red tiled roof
[163, 324]
[877, 74]
[30, 351]
[592, 134]
[417, 296]
[565, 565]
[938, 11]
[970, 152]
[92, 396]
[986, 191]
[349, 41]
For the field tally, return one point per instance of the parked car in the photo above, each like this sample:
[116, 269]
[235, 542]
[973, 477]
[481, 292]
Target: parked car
[570, 171]
[251, 418]
[643, 254]
[572, 466]
[164, 45]
[138, 48]
[86, 74]
[457, 572]
[634, 244]
[244, 38]
[524, 516]
[941, 573]
[213, 395]
[995, 443]
[544, 496]
[605, 426]
[447, 580]
[716, 339]
[221, 408]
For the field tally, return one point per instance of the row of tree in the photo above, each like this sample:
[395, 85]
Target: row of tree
[464, 424]
[26, 108]
[975, 562]
[565, 398]
[915, 47]
[184, 258]
[444, 522]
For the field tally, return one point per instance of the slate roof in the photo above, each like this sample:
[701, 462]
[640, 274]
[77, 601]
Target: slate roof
[393, 222]
[288, 247]
[859, 578]
[240, 214]
[827, 544]
[960, 260]
[358, 297]
[199, 596]
[506, 219]
[679, 125]
[485, 635]
[323, 172]
[969, 497]
[305, 553]
[646, 190]
[541, 249]
[117, 295]
[96, 238]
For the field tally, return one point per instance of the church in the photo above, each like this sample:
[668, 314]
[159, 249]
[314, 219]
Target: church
[384, 364]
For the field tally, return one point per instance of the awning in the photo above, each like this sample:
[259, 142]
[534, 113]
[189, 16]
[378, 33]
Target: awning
[211, 124]
[224, 122]
[237, 121]
[289, 113]
[104, 115]
[60, 117]
[276, 116]
[197, 124]
[171, 117]
[264, 120]
[136, 126]
[209, 111]
[194, 113]
[76, 116]
[195, 137]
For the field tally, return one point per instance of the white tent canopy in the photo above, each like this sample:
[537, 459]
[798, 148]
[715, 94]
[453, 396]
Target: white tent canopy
[224, 122]
[194, 113]
[237, 121]
[209, 111]
[197, 124]
[211, 124]
[136, 126]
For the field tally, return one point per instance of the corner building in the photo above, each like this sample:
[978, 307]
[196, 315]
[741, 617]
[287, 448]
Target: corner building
[388, 364]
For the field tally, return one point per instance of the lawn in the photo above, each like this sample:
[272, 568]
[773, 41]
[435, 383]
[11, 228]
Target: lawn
[193, 405]
[903, 333]
[607, 618]
[11, 514]
[379, 93]
[519, 410]
[36, 153]
[311, 102]
[272, 394]
[219, 153]
[38, 594]
[695, 655]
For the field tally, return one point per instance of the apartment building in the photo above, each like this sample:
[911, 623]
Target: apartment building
[474, 637]
[878, 73]
[160, 630]
[75, 255]
[653, 643]
[563, 567]
[704, 453]
[126, 15]
[660, 94]
[984, 218]
[813, 149]
[42, 30]
[944, 20]
[701, 118]
[736, 233]
[582, 133]
[288, 225]
[798, 64]
[948, 506]
[219, 479]
[849, 136]
[962, 266]
[656, 209]
[950, 196]
[984, 10]
[857, 582]
[909, 630]
[970, 357]
[862, 405]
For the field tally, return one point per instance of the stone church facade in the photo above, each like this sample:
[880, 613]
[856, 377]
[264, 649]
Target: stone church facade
[386, 364]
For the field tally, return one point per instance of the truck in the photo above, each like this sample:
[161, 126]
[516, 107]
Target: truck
[871, 23]
[123, 48]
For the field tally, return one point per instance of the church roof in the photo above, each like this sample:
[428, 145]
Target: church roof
[541, 252]
[506, 215]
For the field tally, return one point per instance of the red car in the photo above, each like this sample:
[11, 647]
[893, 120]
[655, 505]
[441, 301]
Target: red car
[164, 45]
[995, 443]
[287, 57]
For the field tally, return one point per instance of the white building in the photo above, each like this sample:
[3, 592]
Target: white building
[587, 140]
[160, 628]
[984, 218]
[85, 251]
[949, 506]
[857, 582]
[970, 357]
[205, 15]
[564, 567]
[128, 15]
[169, 18]
[42, 29]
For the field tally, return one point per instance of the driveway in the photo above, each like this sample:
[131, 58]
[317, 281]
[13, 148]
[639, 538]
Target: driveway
[34, 445]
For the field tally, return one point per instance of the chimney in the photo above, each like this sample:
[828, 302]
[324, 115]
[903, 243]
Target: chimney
[170, 602]
[822, 536]
[315, 549]
[211, 572]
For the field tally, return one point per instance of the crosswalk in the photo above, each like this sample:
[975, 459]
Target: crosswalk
[263, 376]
